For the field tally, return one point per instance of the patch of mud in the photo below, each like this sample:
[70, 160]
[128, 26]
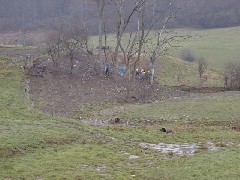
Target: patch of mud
[184, 149]
[133, 157]
[104, 122]
[97, 122]
[61, 91]
[112, 111]
[100, 168]
[211, 146]
[111, 122]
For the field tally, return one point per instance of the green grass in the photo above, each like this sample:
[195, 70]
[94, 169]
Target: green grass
[174, 72]
[218, 46]
[23, 129]
[36, 146]
[202, 108]
[68, 162]
[212, 165]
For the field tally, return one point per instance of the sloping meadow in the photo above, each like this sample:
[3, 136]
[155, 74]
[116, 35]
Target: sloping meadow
[34, 145]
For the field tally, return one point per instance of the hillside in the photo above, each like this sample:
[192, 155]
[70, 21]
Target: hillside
[39, 14]
[218, 46]
[78, 124]
[34, 145]
[100, 89]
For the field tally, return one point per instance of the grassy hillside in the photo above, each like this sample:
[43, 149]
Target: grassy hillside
[218, 46]
[174, 72]
[22, 128]
[34, 145]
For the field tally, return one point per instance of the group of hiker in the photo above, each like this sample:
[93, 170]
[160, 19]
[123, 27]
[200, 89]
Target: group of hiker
[138, 72]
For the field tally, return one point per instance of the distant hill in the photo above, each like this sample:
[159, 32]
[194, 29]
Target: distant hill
[35, 14]
[209, 13]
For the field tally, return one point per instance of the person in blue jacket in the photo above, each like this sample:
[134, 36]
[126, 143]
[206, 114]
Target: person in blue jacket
[122, 70]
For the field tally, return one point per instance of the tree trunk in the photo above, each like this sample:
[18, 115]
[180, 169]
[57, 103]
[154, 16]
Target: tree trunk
[129, 81]
[100, 33]
[100, 43]
[153, 60]
[152, 73]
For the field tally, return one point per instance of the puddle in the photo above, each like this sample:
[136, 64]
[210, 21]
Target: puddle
[211, 146]
[110, 122]
[133, 157]
[100, 168]
[97, 122]
[184, 149]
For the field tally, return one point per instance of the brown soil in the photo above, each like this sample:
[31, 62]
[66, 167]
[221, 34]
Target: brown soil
[60, 91]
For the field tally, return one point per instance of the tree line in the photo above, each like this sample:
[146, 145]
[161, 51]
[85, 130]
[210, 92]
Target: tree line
[32, 14]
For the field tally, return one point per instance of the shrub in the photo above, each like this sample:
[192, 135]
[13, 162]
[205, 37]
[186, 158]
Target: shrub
[202, 66]
[188, 55]
[232, 75]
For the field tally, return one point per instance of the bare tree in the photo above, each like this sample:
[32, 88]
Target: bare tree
[58, 28]
[127, 48]
[141, 28]
[74, 39]
[232, 75]
[52, 48]
[122, 24]
[143, 37]
[157, 48]
[138, 40]
[202, 66]
[100, 11]
[54, 40]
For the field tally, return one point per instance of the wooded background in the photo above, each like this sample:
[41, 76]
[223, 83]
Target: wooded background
[18, 15]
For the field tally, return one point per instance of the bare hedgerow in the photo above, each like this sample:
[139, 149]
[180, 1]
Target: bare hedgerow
[202, 66]
[188, 55]
[232, 75]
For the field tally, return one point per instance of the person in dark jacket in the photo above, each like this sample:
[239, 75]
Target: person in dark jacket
[106, 69]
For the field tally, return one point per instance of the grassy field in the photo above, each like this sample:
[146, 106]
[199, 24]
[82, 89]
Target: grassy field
[174, 72]
[36, 146]
[218, 46]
